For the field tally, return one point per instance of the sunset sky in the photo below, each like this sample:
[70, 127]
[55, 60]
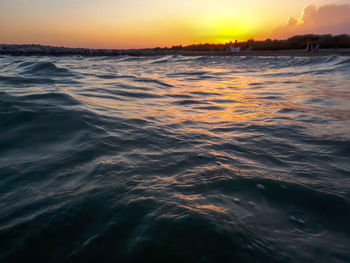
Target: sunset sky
[151, 23]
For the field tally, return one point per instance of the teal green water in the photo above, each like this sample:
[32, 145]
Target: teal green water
[174, 159]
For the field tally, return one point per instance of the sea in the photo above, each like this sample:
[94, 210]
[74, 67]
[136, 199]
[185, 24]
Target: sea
[175, 159]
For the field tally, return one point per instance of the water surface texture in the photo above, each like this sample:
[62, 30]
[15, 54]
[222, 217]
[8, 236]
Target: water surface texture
[174, 159]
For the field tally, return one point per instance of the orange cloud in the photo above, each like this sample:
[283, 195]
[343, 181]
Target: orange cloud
[333, 19]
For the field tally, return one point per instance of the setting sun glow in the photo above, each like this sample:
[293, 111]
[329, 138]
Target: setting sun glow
[140, 24]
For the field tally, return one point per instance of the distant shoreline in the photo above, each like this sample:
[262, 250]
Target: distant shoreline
[296, 46]
[37, 50]
[268, 53]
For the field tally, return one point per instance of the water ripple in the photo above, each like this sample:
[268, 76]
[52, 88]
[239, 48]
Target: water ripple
[193, 159]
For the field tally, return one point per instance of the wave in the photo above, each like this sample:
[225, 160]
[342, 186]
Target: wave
[162, 60]
[25, 80]
[43, 68]
[155, 81]
[135, 58]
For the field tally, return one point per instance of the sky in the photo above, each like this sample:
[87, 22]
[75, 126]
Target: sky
[152, 23]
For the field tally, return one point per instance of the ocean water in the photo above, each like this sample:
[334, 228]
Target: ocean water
[174, 159]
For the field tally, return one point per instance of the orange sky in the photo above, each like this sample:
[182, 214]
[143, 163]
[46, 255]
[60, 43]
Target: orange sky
[151, 23]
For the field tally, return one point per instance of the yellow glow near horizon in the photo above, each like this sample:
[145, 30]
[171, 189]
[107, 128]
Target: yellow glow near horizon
[220, 30]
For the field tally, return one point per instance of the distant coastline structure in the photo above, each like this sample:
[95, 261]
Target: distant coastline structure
[233, 48]
[310, 47]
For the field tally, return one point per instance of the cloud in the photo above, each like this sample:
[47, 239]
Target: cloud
[333, 19]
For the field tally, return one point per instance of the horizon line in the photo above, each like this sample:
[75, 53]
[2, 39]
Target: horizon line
[178, 45]
[164, 47]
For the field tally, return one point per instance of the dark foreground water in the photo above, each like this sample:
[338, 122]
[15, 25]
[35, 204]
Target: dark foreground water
[174, 159]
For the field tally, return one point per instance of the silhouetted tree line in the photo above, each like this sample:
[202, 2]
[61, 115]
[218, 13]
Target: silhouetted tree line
[295, 42]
